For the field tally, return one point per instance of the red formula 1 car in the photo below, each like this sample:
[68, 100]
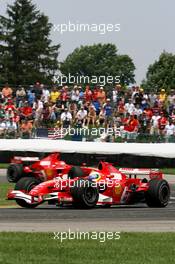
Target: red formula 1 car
[52, 180]
[44, 169]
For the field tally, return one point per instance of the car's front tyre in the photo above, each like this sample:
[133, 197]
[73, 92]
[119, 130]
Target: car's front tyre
[84, 194]
[26, 184]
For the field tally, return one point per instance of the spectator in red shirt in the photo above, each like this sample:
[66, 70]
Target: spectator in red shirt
[131, 128]
[132, 125]
[95, 94]
[64, 96]
[162, 124]
[26, 112]
[121, 107]
[148, 112]
[88, 94]
[9, 105]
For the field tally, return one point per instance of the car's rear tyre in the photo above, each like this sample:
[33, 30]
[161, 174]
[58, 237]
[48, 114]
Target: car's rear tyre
[14, 172]
[26, 184]
[158, 194]
[75, 172]
[84, 194]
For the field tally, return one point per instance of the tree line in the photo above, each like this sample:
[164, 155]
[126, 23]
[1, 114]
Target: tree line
[27, 54]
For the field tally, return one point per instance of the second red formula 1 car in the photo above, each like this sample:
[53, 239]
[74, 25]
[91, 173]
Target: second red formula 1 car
[53, 181]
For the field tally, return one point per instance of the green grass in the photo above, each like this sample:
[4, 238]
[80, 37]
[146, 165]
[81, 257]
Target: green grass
[168, 170]
[4, 187]
[3, 165]
[132, 248]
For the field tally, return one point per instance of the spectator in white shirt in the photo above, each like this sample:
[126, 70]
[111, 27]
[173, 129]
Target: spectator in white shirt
[115, 94]
[75, 95]
[155, 124]
[45, 95]
[3, 127]
[169, 131]
[81, 115]
[137, 111]
[129, 107]
[66, 118]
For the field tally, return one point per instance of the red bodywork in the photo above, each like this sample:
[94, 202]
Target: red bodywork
[116, 186]
[44, 169]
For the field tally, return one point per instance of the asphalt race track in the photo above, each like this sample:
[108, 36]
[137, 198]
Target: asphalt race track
[118, 218]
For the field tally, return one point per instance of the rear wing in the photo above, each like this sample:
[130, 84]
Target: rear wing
[151, 173]
[20, 159]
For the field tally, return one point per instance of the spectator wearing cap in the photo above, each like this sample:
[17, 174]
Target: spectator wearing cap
[162, 96]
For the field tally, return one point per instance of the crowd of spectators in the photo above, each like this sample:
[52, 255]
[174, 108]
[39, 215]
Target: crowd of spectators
[130, 111]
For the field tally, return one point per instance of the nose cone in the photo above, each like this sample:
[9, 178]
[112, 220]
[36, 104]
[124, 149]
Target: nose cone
[43, 188]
